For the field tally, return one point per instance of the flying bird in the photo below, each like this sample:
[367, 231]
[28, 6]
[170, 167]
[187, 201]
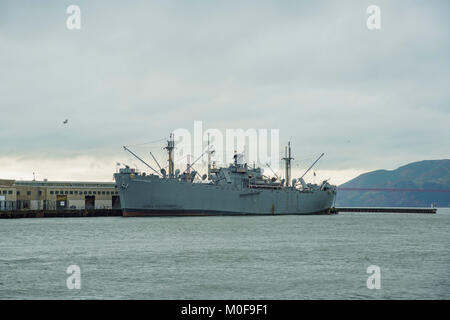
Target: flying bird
[65, 121]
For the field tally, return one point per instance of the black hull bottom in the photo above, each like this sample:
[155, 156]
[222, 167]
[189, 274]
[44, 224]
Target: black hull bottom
[183, 213]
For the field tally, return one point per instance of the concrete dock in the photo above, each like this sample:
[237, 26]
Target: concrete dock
[118, 213]
[384, 209]
[60, 213]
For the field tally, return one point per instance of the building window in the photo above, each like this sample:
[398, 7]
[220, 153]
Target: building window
[40, 193]
[85, 192]
[51, 192]
[107, 192]
[18, 193]
[28, 193]
[9, 191]
[71, 192]
[4, 191]
[61, 192]
[56, 192]
[90, 192]
[67, 192]
[103, 192]
[95, 192]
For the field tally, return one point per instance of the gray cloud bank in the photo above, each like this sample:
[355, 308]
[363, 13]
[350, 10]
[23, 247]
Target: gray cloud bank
[137, 70]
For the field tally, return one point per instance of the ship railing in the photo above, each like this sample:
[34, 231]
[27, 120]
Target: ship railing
[255, 186]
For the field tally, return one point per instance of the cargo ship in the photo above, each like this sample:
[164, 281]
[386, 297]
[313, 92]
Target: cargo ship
[238, 189]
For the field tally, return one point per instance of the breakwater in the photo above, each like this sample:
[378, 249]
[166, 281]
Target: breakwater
[384, 209]
[14, 214]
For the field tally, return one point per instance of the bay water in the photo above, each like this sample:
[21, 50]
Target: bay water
[273, 257]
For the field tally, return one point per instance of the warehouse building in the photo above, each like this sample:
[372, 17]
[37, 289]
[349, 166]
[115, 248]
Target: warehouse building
[57, 195]
[7, 194]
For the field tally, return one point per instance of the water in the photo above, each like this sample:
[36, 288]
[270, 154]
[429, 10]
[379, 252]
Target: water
[288, 257]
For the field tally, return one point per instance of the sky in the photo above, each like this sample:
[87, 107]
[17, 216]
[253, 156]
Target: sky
[137, 70]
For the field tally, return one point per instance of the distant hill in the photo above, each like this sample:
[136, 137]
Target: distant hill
[428, 174]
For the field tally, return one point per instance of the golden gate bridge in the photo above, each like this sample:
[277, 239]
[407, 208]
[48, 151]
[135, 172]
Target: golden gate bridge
[393, 189]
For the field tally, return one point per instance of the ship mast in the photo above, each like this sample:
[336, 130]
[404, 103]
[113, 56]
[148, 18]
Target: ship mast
[287, 159]
[210, 153]
[169, 148]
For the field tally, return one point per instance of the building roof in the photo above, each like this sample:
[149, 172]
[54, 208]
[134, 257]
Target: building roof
[65, 184]
[6, 182]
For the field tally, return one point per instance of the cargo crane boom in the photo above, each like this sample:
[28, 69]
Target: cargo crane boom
[312, 165]
[137, 157]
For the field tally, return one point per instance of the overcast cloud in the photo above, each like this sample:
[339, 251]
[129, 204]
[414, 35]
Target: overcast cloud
[139, 69]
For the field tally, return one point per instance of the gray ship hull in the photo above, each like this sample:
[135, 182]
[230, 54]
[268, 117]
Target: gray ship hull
[151, 196]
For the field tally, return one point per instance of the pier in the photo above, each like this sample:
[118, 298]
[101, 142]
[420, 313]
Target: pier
[385, 209]
[14, 214]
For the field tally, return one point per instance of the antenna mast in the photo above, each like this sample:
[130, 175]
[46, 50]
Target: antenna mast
[188, 168]
[209, 161]
[169, 148]
[287, 159]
